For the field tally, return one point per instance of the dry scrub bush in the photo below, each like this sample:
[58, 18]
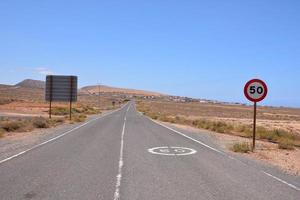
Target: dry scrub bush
[79, 118]
[240, 147]
[285, 143]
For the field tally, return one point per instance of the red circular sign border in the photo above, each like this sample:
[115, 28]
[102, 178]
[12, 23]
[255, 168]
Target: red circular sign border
[263, 84]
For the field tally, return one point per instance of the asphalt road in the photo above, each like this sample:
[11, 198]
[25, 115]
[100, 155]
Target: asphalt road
[115, 157]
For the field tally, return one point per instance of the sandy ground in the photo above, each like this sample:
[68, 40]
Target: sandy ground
[269, 117]
[14, 114]
[26, 108]
[266, 152]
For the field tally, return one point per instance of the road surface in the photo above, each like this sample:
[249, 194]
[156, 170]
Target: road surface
[127, 156]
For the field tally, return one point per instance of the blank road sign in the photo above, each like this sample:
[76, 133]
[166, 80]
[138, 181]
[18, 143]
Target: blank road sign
[61, 88]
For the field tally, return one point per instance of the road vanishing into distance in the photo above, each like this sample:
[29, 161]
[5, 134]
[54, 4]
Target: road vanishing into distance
[125, 155]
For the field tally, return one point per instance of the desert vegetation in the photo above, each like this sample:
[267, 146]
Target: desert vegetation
[240, 147]
[284, 138]
[78, 118]
[11, 125]
[60, 116]
[20, 105]
[81, 109]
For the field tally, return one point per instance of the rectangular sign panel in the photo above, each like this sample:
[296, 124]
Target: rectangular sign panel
[61, 88]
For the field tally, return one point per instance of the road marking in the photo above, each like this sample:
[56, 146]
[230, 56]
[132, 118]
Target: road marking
[282, 181]
[59, 136]
[172, 151]
[121, 163]
[224, 154]
[128, 108]
[197, 141]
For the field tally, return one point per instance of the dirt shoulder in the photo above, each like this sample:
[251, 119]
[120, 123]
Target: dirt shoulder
[266, 152]
[287, 119]
[14, 143]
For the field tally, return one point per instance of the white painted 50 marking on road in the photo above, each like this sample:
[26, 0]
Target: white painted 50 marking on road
[59, 136]
[172, 151]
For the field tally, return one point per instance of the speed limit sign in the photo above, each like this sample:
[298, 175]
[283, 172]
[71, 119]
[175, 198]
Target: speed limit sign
[255, 90]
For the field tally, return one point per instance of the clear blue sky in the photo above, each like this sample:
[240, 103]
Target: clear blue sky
[205, 49]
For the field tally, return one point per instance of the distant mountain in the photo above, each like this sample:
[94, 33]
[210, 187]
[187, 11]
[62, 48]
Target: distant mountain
[94, 89]
[30, 83]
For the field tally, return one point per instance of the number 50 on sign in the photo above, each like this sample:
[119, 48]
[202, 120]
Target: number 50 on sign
[255, 90]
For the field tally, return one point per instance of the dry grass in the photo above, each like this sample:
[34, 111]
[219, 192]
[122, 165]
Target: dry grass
[237, 129]
[287, 119]
[210, 110]
[240, 147]
[86, 110]
[286, 143]
[60, 111]
[41, 122]
[10, 125]
[79, 118]
[16, 126]
[80, 109]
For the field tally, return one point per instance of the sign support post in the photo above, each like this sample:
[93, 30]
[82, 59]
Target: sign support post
[71, 96]
[50, 109]
[254, 127]
[70, 110]
[255, 90]
[50, 101]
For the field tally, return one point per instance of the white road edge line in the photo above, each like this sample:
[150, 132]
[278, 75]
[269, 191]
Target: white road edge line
[59, 136]
[218, 151]
[121, 163]
[282, 181]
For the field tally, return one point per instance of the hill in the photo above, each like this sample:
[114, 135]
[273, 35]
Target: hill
[30, 83]
[107, 89]
[93, 89]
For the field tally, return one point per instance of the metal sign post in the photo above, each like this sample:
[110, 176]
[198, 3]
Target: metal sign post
[255, 90]
[71, 95]
[254, 127]
[50, 100]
